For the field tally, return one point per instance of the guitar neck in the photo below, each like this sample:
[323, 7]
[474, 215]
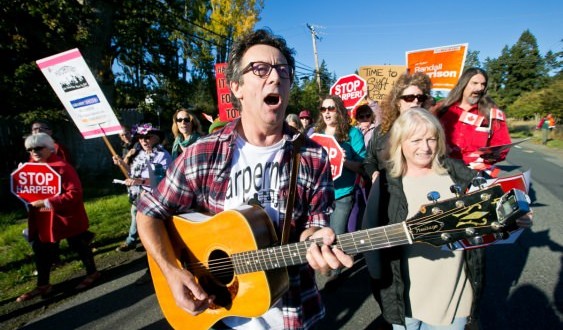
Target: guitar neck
[294, 254]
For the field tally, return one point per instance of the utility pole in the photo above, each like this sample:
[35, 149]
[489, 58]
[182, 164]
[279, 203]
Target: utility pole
[315, 37]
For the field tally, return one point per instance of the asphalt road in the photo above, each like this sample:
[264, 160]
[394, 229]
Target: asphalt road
[524, 288]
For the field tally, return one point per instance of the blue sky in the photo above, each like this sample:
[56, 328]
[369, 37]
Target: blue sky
[356, 33]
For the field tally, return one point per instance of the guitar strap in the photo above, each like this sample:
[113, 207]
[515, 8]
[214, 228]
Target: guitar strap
[296, 159]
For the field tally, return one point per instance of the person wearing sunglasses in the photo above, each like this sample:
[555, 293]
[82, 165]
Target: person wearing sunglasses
[128, 141]
[307, 122]
[426, 286]
[365, 121]
[470, 125]
[249, 160]
[186, 129]
[410, 91]
[44, 126]
[335, 121]
[146, 166]
[58, 217]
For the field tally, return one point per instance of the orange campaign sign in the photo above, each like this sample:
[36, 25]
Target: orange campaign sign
[443, 64]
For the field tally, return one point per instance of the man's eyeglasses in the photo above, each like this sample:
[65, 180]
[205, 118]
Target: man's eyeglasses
[40, 128]
[145, 137]
[35, 149]
[186, 120]
[330, 108]
[263, 69]
[411, 97]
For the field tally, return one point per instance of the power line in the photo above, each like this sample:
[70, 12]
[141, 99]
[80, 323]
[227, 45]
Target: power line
[305, 65]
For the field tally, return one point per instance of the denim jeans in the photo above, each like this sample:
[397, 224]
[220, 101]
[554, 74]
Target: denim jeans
[414, 324]
[341, 213]
[133, 235]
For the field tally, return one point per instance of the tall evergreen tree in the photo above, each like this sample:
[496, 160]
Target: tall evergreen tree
[525, 68]
[472, 59]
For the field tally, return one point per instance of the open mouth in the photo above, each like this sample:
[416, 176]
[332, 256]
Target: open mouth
[272, 99]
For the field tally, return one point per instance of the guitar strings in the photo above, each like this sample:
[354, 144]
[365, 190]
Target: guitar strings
[268, 258]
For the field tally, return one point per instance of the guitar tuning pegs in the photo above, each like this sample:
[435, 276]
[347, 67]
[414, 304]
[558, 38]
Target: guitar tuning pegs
[477, 240]
[479, 182]
[455, 189]
[433, 196]
[472, 238]
[502, 235]
[446, 237]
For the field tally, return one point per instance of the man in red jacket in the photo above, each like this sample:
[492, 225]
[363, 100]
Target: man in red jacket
[470, 123]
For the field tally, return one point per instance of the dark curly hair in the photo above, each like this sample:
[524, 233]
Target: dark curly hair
[258, 37]
[390, 106]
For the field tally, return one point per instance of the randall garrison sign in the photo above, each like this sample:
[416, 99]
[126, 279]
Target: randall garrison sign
[443, 64]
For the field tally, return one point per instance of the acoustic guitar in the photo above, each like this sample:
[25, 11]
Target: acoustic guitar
[234, 255]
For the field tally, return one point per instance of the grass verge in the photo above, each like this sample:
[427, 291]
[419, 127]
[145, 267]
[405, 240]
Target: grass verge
[109, 219]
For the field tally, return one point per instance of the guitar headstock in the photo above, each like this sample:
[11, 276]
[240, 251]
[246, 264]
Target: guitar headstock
[485, 211]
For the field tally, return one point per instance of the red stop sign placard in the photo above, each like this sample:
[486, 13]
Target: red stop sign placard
[335, 153]
[35, 181]
[351, 89]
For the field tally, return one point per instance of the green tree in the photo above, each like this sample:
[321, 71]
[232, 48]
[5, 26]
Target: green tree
[525, 68]
[29, 31]
[472, 59]
[305, 92]
[554, 62]
[496, 69]
[230, 19]
[165, 49]
[540, 102]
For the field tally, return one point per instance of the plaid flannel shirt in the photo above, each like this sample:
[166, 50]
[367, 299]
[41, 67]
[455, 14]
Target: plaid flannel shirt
[199, 179]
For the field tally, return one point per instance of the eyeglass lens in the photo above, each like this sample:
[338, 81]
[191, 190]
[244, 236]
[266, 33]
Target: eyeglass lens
[263, 69]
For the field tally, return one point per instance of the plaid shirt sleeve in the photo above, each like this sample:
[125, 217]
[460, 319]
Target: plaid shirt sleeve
[197, 179]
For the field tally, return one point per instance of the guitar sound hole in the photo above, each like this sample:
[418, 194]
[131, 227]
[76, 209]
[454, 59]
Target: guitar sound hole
[221, 267]
[215, 281]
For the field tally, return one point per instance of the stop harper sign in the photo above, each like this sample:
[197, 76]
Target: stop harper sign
[351, 89]
[35, 181]
[335, 153]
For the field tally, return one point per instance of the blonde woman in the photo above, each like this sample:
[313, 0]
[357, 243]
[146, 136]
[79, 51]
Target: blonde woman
[426, 287]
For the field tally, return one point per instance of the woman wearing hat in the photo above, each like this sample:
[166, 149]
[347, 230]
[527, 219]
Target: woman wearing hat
[307, 122]
[145, 166]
